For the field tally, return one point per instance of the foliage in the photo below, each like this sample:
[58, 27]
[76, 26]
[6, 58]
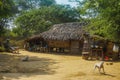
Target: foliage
[2, 49]
[7, 8]
[39, 20]
[17, 43]
[104, 16]
[32, 4]
[47, 2]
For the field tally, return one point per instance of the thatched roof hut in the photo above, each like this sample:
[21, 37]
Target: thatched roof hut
[64, 36]
[67, 35]
[66, 31]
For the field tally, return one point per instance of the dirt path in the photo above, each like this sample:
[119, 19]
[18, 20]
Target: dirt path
[43, 66]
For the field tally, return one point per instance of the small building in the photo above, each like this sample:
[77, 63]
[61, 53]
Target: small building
[66, 37]
[98, 47]
[35, 43]
[103, 49]
[113, 50]
[72, 38]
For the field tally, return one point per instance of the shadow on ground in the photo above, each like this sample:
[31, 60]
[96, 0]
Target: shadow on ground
[12, 64]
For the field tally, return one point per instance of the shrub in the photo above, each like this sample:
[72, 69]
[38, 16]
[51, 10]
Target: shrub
[18, 43]
[2, 49]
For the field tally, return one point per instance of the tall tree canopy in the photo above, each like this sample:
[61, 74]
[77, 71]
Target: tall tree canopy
[104, 16]
[39, 20]
[7, 8]
[31, 4]
[106, 21]
[47, 2]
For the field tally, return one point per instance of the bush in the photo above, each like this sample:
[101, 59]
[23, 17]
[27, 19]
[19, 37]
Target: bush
[2, 49]
[18, 43]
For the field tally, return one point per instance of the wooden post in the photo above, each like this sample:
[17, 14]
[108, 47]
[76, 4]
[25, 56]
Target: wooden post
[102, 55]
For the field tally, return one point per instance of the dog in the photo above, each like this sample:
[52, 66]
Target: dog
[25, 58]
[100, 66]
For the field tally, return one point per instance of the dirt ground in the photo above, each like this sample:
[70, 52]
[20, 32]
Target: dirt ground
[49, 66]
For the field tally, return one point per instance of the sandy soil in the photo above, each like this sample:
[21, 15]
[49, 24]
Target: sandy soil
[42, 66]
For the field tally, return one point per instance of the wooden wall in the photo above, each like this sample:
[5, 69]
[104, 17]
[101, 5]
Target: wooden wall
[76, 47]
[59, 44]
[110, 52]
[110, 47]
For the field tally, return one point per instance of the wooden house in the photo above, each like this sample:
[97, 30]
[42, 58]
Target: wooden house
[72, 38]
[67, 37]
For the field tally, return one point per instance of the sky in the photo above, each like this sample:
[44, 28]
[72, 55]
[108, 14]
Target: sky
[73, 4]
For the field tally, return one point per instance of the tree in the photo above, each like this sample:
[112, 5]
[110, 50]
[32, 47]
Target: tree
[104, 16]
[47, 2]
[7, 9]
[32, 4]
[39, 20]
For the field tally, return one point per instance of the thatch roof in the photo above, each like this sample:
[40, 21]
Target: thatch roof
[34, 37]
[97, 37]
[66, 31]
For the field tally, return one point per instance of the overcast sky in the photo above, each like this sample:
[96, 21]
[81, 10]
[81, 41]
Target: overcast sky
[66, 2]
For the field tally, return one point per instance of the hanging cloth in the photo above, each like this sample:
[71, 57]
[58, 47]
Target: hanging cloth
[115, 48]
